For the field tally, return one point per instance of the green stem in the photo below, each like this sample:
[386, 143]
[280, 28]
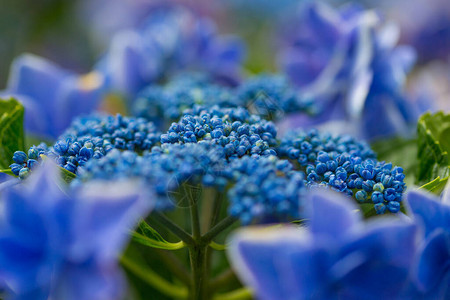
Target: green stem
[175, 265]
[240, 294]
[174, 228]
[195, 220]
[216, 230]
[154, 279]
[197, 257]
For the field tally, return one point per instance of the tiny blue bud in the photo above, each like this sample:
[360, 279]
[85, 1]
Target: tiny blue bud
[377, 197]
[380, 208]
[24, 172]
[394, 206]
[19, 157]
[361, 196]
[33, 153]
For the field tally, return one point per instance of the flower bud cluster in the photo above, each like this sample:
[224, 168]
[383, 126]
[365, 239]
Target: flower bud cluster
[235, 129]
[346, 166]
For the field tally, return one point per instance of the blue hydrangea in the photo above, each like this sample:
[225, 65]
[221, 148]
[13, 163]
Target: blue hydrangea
[52, 96]
[345, 165]
[238, 131]
[337, 256]
[272, 96]
[170, 40]
[262, 189]
[163, 105]
[92, 137]
[349, 62]
[266, 189]
[164, 169]
[64, 244]
[24, 163]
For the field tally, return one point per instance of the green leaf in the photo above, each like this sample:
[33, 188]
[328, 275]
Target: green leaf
[400, 152]
[8, 172]
[433, 147]
[436, 186]
[11, 130]
[148, 236]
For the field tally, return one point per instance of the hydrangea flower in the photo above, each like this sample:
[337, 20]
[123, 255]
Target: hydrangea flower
[345, 165]
[351, 64]
[432, 271]
[336, 256]
[90, 137]
[164, 170]
[65, 244]
[163, 105]
[238, 131]
[272, 96]
[51, 95]
[171, 39]
[266, 189]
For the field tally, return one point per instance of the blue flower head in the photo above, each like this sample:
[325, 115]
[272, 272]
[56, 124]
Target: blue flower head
[163, 170]
[172, 39]
[352, 65]
[336, 256]
[90, 137]
[432, 270]
[52, 96]
[64, 244]
[345, 165]
[272, 96]
[164, 105]
[238, 131]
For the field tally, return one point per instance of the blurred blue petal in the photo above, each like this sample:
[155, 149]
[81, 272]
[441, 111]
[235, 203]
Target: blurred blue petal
[434, 264]
[65, 243]
[351, 64]
[349, 260]
[51, 95]
[171, 39]
[342, 215]
[429, 210]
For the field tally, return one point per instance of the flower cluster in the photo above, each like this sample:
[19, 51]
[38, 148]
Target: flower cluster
[238, 131]
[272, 96]
[347, 166]
[91, 137]
[266, 189]
[164, 104]
[165, 169]
[24, 163]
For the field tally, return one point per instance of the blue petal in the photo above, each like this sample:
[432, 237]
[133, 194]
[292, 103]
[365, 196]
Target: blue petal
[331, 214]
[434, 262]
[256, 254]
[429, 210]
[373, 261]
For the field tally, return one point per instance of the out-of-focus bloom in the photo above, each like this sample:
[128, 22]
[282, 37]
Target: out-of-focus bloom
[65, 246]
[352, 65]
[425, 25]
[432, 271]
[51, 95]
[171, 39]
[335, 257]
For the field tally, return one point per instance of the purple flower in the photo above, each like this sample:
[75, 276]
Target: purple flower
[432, 271]
[65, 244]
[172, 39]
[352, 65]
[51, 95]
[335, 257]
